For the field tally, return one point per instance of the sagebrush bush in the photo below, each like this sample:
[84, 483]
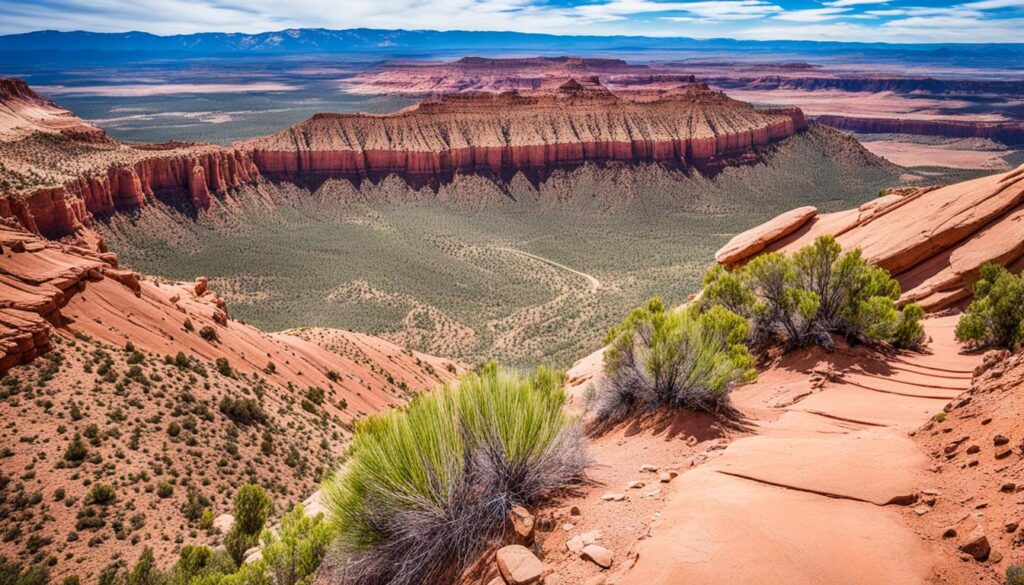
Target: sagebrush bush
[677, 358]
[995, 318]
[439, 476]
[816, 293]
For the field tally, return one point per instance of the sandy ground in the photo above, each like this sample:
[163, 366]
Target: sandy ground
[909, 154]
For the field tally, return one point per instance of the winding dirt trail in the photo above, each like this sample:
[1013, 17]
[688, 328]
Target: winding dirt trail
[815, 493]
[593, 282]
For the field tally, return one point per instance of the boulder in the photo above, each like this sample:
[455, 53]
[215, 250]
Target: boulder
[977, 545]
[519, 566]
[598, 555]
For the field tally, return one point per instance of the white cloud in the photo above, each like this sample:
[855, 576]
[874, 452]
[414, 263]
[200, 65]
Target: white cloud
[813, 14]
[716, 10]
[854, 2]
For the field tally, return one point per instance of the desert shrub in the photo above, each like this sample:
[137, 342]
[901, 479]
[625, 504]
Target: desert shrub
[676, 358]
[199, 564]
[101, 494]
[224, 367]
[164, 489]
[995, 318]
[76, 451]
[145, 571]
[243, 411]
[294, 553]
[440, 475]
[1015, 575]
[252, 507]
[34, 575]
[208, 333]
[816, 293]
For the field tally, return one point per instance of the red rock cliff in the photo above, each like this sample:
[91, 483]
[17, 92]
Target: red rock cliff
[1005, 132]
[505, 133]
[178, 177]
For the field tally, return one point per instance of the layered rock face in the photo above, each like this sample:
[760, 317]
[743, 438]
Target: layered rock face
[501, 134]
[1005, 132]
[57, 172]
[932, 240]
[54, 182]
[475, 74]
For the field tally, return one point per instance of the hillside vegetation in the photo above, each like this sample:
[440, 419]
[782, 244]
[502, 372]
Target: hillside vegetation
[438, 271]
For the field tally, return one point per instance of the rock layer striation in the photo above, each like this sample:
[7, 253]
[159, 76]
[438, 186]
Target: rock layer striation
[501, 134]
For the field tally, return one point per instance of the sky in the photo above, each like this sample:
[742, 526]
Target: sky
[897, 21]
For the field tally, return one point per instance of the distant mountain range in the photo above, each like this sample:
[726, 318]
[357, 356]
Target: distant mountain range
[295, 41]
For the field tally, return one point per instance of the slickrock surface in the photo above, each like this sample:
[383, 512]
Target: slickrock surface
[819, 476]
[933, 240]
[505, 133]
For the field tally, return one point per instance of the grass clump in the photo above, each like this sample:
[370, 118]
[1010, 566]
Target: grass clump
[676, 358]
[818, 292]
[440, 475]
[995, 317]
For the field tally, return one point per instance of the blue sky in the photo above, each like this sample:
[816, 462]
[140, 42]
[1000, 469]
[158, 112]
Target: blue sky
[849, 20]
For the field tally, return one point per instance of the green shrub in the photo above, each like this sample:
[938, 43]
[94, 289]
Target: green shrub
[1015, 575]
[817, 292]
[243, 411]
[252, 508]
[995, 317]
[676, 358]
[224, 367]
[34, 575]
[76, 451]
[164, 489]
[293, 554]
[208, 333]
[145, 572]
[101, 494]
[440, 475]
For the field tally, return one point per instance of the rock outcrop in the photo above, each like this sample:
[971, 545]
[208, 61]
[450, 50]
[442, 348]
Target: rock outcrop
[932, 240]
[1005, 132]
[58, 172]
[502, 134]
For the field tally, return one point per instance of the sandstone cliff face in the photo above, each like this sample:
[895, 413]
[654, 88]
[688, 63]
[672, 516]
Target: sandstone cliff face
[505, 133]
[179, 177]
[933, 240]
[59, 172]
[1005, 132]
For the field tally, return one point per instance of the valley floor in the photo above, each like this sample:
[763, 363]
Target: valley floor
[823, 482]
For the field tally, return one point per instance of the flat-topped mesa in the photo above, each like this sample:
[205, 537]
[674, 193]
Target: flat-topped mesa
[59, 172]
[932, 240]
[505, 133]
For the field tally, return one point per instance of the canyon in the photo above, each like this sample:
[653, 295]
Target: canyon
[54, 182]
